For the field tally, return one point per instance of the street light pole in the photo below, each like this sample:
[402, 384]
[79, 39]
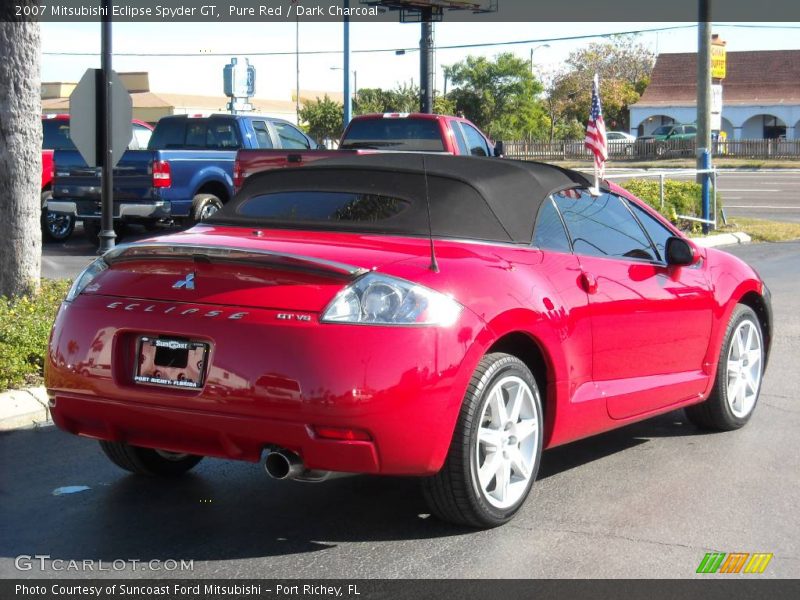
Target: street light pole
[426, 61]
[348, 106]
[297, 62]
[704, 101]
[534, 49]
[107, 235]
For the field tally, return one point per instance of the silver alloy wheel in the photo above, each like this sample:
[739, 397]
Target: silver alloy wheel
[508, 437]
[173, 456]
[744, 368]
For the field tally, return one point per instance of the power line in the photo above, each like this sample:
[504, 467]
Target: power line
[377, 50]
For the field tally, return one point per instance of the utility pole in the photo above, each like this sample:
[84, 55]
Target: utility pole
[107, 235]
[704, 101]
[297, 64]
[426, 65]
[348, 105]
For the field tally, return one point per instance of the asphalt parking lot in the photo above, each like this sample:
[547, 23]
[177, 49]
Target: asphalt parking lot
[648, 500]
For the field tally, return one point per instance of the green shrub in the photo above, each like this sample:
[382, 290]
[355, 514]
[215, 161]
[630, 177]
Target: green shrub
[680, 198]
[24, 330]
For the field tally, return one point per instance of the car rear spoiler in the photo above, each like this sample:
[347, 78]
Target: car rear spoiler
[201, 253]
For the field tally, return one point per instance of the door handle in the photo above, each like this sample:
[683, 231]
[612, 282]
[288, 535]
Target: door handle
[588, 282]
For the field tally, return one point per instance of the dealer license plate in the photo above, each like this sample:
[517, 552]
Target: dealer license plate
[171, 362]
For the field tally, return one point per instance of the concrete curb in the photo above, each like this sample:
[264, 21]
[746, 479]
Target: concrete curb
[724, 239]
[23, 408]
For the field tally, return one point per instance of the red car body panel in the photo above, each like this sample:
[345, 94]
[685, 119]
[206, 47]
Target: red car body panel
[276, 372]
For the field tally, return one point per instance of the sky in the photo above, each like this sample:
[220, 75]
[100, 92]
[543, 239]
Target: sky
[275, 75]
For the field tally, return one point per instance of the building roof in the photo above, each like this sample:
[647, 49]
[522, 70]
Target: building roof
[470, 197]
[764, 77]
[182, 101]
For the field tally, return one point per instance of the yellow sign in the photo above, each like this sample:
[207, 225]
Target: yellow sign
[718, 61]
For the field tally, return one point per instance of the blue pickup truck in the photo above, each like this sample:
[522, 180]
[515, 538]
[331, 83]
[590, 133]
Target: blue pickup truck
[185, 175]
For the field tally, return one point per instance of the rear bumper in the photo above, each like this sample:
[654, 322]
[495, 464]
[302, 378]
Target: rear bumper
[207, 433]
[90, 209]
[270, 382]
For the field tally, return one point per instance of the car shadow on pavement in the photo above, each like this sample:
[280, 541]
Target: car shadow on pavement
[226, 510]
[563, 458]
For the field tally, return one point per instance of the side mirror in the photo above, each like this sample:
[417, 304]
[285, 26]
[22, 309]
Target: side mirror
[680, 252]
[499, 149]
[321, 147]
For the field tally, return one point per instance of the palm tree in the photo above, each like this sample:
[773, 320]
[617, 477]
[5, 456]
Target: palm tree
[20, 152]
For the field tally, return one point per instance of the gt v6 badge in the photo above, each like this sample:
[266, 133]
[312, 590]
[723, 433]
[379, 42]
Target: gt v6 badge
[187, 283]
[293, 317]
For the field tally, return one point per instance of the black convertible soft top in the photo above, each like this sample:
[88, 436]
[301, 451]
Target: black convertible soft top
[470, 197]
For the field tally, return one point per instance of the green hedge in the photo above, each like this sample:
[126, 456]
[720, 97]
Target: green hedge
[24, 330]
[680, 198]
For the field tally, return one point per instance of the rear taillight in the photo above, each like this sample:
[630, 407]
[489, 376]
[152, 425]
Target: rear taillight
[238, 180]
[162, 174]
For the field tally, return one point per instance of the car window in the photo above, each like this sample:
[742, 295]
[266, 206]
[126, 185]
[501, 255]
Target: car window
[613, 136]
[659, 233]
[463, 149]
[549, 233]
[603, 226]
[55, 135]
[476, 142]
[690, 129]
[323, 207]
[291, 137]
[263, 139]
[196, 135]
[406, 134]
[169, 133]
[221, 135]
[141, 137]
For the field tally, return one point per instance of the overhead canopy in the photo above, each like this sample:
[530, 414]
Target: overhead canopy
[470, 197]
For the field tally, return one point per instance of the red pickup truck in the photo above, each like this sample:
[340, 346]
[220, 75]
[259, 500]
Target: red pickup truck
[55, 136]
[394, 132]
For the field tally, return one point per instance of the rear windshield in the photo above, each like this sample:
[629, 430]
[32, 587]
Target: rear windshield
[413, 135]
[195, 134]
[55, 135]
[322, 207]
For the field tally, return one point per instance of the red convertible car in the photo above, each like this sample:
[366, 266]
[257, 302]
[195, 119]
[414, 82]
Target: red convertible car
[406, 314]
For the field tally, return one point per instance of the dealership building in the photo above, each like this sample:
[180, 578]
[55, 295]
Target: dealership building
[150, 106]
[760, 95]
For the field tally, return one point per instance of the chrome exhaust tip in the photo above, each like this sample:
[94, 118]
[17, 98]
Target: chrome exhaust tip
[283, 464]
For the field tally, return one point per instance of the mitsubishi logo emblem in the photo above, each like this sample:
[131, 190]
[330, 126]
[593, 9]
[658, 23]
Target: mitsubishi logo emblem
[187, 283]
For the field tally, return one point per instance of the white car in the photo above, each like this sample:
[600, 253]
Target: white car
[620, 142]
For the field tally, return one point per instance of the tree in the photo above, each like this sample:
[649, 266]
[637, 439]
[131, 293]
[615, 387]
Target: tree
[371, 100]
[323, 119]
[403, 98]
[20, 153]
[500, 96]
[624, 66]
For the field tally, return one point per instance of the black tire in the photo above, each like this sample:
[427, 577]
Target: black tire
[716, 413]
[203, 206]
[91, 228]
[455, 494]
[55, 227]
[144, 461]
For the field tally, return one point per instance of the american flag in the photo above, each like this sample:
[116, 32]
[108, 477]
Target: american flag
[596, 130]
